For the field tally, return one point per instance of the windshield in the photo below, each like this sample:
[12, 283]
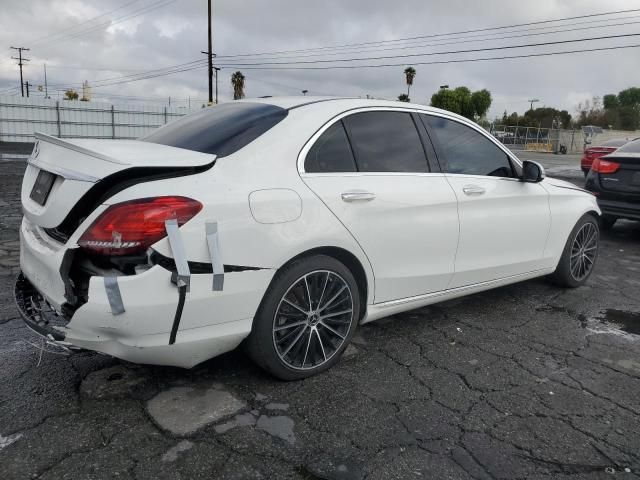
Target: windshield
[221, 129]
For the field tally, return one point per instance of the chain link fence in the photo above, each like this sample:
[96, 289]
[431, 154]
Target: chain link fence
[554, 140]
[21, 117]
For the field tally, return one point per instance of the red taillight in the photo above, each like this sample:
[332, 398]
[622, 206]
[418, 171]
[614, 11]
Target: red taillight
[604, 166]
[131, 227]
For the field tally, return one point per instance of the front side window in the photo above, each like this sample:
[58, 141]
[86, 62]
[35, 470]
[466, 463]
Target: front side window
[467, 151]
[220, 130]
[331, 152]
[386, 142]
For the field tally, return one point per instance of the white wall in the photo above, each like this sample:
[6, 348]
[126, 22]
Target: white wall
[21, 117]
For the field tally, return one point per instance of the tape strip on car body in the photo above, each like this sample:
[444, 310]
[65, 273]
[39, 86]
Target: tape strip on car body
[179, 254]
[113, 295]
[211, 229]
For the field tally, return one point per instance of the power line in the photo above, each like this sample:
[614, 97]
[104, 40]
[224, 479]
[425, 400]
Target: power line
[469, 39]
[440, 62]
[110, 23]
[451, 52]
[437, 62]
[440, 34]
[61, 32]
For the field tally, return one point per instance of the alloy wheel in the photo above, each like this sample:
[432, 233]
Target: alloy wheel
[584, 251]
[313, 319]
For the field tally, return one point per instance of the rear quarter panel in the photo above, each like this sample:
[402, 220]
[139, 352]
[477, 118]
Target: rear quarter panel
[225, 191]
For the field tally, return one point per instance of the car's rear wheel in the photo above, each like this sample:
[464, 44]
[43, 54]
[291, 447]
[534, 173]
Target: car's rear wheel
[580, 253]
[306, 319]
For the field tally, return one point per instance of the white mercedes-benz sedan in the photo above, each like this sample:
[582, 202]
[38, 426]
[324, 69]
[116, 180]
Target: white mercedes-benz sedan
[283, 223]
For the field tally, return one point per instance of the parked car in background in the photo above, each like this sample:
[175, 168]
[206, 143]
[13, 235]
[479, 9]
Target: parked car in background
[596, 151]
[615, 180]
[283, 223]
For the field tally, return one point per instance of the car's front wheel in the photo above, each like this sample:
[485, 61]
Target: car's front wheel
[580, 253]
[306, 319]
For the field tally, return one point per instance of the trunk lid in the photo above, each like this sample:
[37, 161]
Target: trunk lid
[626, 179]
[61, 173]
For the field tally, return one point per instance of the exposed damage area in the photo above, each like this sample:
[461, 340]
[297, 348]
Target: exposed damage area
[88, 262]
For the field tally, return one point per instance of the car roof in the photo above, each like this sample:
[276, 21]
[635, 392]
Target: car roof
[346, 103]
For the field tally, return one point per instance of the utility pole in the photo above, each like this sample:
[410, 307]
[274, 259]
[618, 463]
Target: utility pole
[532, 101]
[217, 69]
[26, 84]
[20, 60]
[46, 92]
[210, 55]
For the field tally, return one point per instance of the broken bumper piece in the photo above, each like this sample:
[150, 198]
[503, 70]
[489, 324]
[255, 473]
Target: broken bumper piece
[36, 312]
[212, 323]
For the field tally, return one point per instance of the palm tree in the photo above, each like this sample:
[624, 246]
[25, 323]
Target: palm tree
[237, 80]
[410, 74]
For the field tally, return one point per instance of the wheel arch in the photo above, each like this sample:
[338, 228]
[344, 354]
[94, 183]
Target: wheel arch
[350, 261]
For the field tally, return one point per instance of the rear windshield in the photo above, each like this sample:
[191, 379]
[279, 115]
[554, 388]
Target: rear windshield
[631, 147]
[221, 130]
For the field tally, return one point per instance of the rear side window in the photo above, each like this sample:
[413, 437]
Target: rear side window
[386, 142]
[467, 151]
[220, 130]
[331, 152]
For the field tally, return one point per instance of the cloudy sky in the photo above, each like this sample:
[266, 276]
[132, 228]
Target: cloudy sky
[111, 42]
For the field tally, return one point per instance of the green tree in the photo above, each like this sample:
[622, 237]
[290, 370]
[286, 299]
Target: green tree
[237, 80]
[403, 97]
[610, 101]
[409, 75]
[71, 94]
[461, 101]
[481, 101]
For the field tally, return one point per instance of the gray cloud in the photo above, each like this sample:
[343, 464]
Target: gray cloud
[176, 33]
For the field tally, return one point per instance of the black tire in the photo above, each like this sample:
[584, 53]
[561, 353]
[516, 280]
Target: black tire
[565, 275]
[606, 222]
[261, 343]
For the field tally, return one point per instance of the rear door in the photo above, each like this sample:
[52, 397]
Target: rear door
[504, 223]
[371, 169]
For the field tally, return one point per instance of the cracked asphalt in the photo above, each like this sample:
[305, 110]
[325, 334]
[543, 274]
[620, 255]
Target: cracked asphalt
[525, 381]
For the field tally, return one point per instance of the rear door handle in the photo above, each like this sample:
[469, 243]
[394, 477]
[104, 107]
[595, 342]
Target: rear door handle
[358, 196]
[473, 190]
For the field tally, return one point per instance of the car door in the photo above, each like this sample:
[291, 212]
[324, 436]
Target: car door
[504, 223]
[371, 170]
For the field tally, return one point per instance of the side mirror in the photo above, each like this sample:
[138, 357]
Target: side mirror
[532, 172]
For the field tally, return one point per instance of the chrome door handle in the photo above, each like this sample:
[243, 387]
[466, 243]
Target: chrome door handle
[358, 196]
[473, 190]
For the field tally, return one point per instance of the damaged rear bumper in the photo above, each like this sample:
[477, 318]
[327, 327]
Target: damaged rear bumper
[36, 312]
[211, 322]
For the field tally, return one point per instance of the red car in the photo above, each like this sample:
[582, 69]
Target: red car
[596, 151]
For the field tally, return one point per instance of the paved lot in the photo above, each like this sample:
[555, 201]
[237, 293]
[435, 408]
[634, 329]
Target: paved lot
[526, 381]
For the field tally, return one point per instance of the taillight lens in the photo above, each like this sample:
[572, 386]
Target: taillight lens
[132, 227]
[604, 166]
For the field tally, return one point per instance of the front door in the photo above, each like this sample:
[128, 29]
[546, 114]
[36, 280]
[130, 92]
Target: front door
[504, 223]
